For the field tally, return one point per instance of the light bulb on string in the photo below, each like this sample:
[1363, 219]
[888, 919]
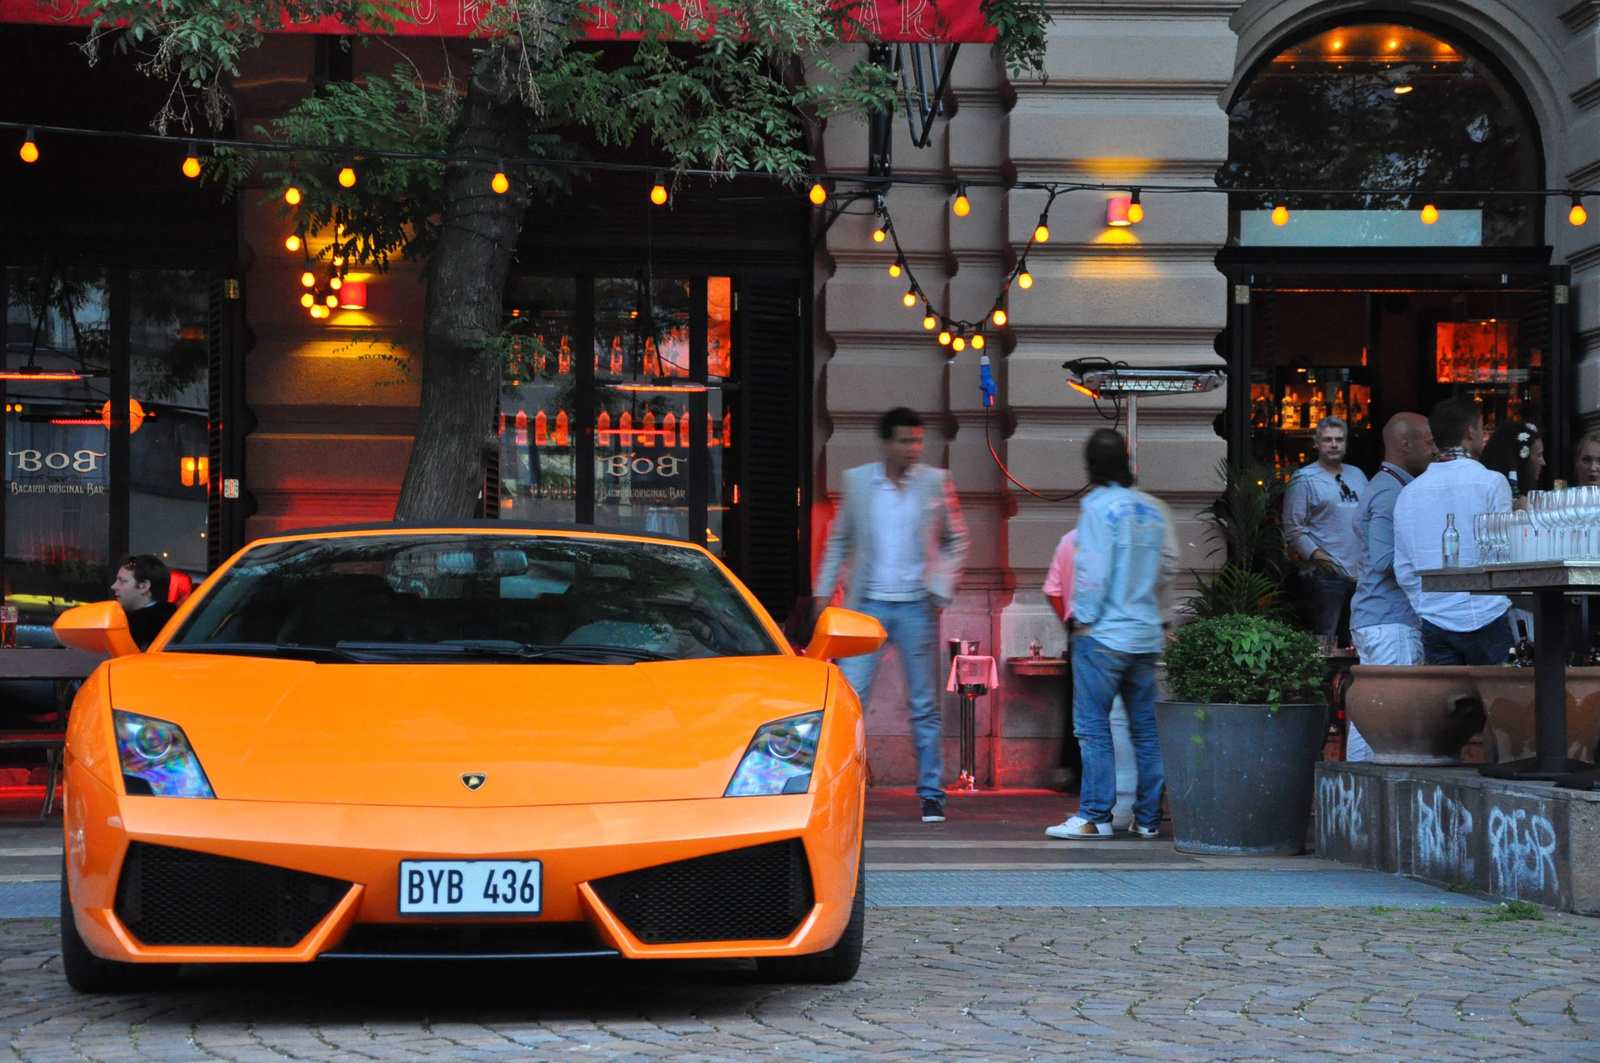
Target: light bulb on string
[894, 269]
[1041, 232]
[319, 311]
[291, 196]
[1577, 215]
[658, 191]
[292, 242]
[1135, 208]
[930, 322]
[944, 338]
[332, 300]
[1280, 215]
[308, 300]
[999, 317]
[347, 173]
[978, 342]
[961, 207]
[308, 279]
[336, 283]
[30, 150]
[1430, 214]
[818, 195]
[191, 162]
[879, 235]
[958, 344]
[910, 298]
[500, 182]
[1025, 280]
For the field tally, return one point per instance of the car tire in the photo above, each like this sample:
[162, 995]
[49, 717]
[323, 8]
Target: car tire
[88, 973]
[838, 964]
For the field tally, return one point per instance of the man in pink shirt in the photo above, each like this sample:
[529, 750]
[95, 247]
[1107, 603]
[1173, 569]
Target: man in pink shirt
[1058, 591]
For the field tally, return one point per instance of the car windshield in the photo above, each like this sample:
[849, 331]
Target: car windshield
[536, 598]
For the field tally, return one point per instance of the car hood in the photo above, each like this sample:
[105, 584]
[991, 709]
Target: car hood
[405, 734]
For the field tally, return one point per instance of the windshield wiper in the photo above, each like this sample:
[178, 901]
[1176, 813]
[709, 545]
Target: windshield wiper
[296, 651]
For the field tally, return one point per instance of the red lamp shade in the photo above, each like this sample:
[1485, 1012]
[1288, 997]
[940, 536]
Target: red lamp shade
[1117, 211]
[353, 296]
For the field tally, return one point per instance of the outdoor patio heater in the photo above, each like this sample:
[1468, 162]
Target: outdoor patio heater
[1102, 379]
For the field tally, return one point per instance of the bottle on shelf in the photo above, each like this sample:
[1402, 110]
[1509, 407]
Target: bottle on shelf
[1522, 652]
[1451, 542]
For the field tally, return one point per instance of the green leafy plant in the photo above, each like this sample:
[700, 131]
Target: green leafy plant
[1240, 659]
[1244, 520]
[1515, 911]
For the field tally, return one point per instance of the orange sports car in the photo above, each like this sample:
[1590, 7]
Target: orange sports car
[477, 740]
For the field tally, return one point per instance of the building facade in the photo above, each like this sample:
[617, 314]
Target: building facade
[740, 343]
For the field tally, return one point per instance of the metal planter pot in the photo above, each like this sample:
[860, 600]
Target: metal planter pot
[1239, 777]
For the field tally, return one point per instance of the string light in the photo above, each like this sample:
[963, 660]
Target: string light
[291, 196]
[1135, 208]
[958, 344]
[191, 163]
[319, 311]
[910, 298]
[292, 242]
[499, 182]
[930, 322]
[1280, 215]
[1430, 214]
[347, 173]
[978, 342]
[944, 338]
[1577, 215]
[335, 283]
[308, 279]
[332, 300]
[999, 318]
[1041, 232]
[878, 235]
[1025, 280]
[30, 150]
[894, 269]
[308, 300]
[658, 191]
[961, 207]
[818, 194]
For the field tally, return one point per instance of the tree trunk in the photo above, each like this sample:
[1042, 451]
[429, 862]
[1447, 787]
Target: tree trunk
[466, 277]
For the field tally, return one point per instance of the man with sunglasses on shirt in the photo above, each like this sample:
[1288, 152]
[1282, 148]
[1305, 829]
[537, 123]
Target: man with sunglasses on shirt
[1319, 522]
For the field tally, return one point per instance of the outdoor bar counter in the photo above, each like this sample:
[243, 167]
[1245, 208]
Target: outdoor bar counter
[1549, 582]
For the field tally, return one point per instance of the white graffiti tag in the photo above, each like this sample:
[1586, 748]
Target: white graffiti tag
[1522, 851]
[1444, 836]
[1339, 811]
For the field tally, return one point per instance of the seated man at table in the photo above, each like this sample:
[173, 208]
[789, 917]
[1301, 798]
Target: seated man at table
[141, 589]
[1457, 627]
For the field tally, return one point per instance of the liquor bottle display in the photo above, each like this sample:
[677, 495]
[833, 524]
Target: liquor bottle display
[1451, 542]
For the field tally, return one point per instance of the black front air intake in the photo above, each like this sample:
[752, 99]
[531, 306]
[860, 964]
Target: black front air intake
[177, 897]
[760, 893]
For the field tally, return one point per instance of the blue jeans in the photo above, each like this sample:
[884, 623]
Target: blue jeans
[1099, 674]
[912, 628]
[1490, 644]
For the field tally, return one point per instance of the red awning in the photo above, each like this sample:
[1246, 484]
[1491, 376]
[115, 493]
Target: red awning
[905, 21]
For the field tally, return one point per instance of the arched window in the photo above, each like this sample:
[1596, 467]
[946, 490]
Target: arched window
[1387, 107]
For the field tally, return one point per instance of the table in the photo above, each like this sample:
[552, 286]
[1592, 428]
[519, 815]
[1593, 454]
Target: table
[1549, 582]
[63, 667]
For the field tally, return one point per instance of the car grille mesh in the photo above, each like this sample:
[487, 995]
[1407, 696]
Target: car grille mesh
[759, 893]
[172, 896]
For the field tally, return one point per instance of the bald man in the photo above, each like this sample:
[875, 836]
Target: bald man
[1383, 625]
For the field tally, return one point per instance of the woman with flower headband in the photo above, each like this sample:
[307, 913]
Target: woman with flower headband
[1516, 452]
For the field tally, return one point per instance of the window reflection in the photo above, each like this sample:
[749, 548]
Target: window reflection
[538, 457]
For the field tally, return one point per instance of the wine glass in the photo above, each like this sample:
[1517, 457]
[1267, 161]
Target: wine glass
[1480, 537]
[1537, 517]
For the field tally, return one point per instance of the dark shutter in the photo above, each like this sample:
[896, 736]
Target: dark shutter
[772, 411]
[229, 421]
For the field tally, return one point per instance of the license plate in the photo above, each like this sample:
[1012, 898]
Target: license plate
[471, 887]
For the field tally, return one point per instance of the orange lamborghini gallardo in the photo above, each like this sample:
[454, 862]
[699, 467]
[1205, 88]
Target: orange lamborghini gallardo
[407, 742]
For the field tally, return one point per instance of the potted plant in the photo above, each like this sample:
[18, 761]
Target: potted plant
[1246, 722]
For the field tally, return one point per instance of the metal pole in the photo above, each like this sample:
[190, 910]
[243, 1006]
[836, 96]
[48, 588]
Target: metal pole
[1133, 432]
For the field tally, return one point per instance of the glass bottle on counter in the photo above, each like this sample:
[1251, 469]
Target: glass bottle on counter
[1451, 542]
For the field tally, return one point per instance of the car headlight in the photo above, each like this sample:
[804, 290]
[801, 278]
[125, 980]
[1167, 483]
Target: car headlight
[779, 758]
[157, 759]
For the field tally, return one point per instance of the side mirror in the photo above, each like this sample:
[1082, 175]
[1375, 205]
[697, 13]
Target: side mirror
[98, 628]
[844, 633]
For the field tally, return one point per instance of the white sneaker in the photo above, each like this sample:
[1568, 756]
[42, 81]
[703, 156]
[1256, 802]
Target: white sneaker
[1079, 829]
[1143, 832]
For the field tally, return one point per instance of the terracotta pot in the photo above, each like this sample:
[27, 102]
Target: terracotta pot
[1508, 703]
[1418, 714]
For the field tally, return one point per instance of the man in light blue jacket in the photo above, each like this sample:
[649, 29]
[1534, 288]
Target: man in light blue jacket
[900, 537]
[1126, 562]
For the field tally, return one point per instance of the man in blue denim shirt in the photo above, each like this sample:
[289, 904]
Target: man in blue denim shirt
[1122, 577]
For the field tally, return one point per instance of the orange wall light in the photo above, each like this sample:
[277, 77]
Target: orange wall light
[353, 296]
[1117, 211]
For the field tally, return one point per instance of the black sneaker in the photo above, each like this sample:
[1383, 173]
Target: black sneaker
[932, 810]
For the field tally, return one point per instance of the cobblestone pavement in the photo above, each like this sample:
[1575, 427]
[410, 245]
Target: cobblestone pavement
[937, 984]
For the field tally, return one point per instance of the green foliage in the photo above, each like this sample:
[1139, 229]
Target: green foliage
[1020, 24]
[1515, 911]
[1240, 659]
[1244, 518]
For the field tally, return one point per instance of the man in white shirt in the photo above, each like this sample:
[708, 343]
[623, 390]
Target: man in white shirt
[899, 543]
[1457, 628]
